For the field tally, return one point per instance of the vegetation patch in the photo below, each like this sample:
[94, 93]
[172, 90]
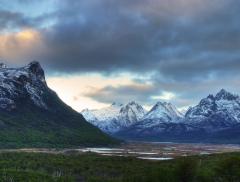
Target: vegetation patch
[18, 167]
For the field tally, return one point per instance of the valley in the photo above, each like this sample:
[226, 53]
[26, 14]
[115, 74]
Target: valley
[119, 91]
[71, 166]
[141, 150]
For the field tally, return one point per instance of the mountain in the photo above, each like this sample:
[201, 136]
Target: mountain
[32, 115]
[130, 114]
[215, 112]
[106, 119]
[164, 111]
[115, 117]
[162, 117]
[161, 113]
[215, 119]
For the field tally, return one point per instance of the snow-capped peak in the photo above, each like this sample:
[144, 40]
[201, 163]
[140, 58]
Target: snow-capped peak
[223, 105]
[225, 95]
[18, 83]
[132, 113]
[164, 111]
[115, 117]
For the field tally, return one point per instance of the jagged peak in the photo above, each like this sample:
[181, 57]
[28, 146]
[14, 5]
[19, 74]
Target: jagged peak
[34, 63]
[159, 103]
[223, 94]
[210, 96]
[133, 103]
[36, 69]
[164, 110]
[159, 106]
[24, 81]
[132, 106]
[34, 66]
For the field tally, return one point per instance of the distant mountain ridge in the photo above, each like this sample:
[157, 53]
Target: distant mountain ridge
[32, 115]
[118, 117]
[115, 117]
[214, 119]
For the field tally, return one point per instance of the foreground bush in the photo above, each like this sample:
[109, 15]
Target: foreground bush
[228, 170]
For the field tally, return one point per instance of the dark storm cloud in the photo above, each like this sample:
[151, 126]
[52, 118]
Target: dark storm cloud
[11, 20]
[186, 45]
[170, 38]
[15, 21]
[110, 36]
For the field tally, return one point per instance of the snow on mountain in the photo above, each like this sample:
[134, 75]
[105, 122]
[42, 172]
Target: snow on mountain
[211, 120]
[118, 117]
[104, 114]
[165, 111]
[223, 108]
[161, 114]
[105, 118]
[205, 121]
[22, 83]
[115, 117]
[131, 113]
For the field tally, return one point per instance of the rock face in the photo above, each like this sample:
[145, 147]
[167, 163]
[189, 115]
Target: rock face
[31, 114]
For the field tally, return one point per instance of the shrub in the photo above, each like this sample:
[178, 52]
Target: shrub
[186, 170]
[228, 170]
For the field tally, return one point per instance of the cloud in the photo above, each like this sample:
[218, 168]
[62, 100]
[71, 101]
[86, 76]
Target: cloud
[11, 20]
[141, 36]
[164, 96]
[185, 45]
[25, 44]
[122, 93]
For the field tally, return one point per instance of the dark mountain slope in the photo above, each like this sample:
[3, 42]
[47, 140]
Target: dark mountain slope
[32, 115]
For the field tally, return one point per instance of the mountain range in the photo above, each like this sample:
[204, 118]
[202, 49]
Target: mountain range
[32, 115]
[214, 119]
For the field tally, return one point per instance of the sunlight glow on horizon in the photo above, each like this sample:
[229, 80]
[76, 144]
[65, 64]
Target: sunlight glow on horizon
[165, 96]
[72, 89]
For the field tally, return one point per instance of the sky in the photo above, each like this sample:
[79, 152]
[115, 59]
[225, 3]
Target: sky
[95, 52]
